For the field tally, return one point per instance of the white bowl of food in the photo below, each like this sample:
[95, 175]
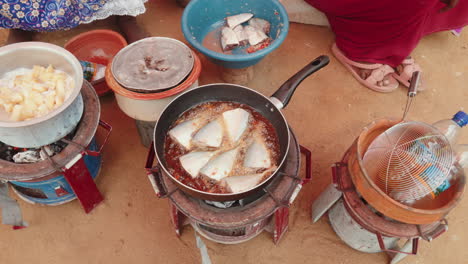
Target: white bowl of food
[40, 100]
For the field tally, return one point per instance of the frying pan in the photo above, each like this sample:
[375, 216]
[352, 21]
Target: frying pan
[268, 107]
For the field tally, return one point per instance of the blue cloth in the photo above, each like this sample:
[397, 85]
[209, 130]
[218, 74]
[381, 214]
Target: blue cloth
[47, 15]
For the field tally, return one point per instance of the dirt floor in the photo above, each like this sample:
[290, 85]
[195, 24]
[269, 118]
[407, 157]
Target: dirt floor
[327, 113]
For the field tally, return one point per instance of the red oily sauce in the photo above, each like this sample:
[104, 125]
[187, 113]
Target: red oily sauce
[212, 110]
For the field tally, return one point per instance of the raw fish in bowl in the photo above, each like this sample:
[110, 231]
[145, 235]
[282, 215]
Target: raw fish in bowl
[236, 33]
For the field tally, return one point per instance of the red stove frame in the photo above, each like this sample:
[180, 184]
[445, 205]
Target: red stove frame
[69, 162]
[77, 174]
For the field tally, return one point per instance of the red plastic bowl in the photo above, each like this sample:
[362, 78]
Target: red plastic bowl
[98, 46]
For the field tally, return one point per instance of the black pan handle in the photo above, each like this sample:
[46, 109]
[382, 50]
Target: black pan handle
[286, 91]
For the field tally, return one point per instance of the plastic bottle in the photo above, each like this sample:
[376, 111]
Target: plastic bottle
[461, 163]
[426, 156]
[462, 155]
[451, 127]
[444, 192]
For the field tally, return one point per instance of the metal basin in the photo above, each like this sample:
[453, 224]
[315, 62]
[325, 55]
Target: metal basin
[56, 124]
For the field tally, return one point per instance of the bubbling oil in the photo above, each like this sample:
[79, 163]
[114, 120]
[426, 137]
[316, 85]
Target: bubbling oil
[258, 128]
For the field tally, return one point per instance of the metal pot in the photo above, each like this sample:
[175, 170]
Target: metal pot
[85, 132]
[148, 106]
[383, 203]
[268, 107]
[174, 56]
[56, 124]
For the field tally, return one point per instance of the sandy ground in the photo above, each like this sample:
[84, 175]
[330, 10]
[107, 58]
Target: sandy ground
[327, 113]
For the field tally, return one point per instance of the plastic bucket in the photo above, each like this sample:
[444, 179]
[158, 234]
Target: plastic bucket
[203, 16]
[148, 106]
[98, 46]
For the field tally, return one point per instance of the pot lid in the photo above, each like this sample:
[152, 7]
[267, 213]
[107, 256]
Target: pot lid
[152, 64]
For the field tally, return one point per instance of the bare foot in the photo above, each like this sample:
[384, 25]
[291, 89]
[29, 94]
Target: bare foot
[399, 69]
[17, 35]
[375, 76]
[405, 71]
[364, 73]
[130, 28]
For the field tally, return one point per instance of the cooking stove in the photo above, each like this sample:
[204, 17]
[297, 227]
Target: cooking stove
[66, 175]
[362, 227]
[238, 221]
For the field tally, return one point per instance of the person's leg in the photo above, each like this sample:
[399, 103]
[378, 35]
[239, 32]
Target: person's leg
[130, 28]
[375, 76]
[18, 35]
[457, 17]
[381, 32]
[384, 31]
[437, 21]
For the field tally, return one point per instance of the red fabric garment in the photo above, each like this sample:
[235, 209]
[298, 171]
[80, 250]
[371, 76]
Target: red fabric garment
[386, 31]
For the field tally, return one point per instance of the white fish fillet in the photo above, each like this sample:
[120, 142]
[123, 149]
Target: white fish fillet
[194, 161]
[183, 132]
[220, 166]
[210, 135]
[255, 36]
[233, 21]
[228, 39]
[260, 24]
[243, 183]
[236, 122]
[241, 35]
[257, 155]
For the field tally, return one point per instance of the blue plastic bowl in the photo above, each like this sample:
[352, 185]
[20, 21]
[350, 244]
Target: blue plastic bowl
[203, 16]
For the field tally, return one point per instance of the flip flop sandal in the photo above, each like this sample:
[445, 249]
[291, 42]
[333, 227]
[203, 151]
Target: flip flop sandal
[404, 77]
[379, 72]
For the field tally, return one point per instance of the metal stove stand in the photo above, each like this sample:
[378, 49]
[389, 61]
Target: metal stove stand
[266, 210]
[362, 227]
[69, 162]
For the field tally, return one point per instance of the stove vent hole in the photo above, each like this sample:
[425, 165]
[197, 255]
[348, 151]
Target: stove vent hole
[31, 192]
[231, 232]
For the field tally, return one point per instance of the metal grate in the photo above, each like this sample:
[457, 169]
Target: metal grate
[409, 161]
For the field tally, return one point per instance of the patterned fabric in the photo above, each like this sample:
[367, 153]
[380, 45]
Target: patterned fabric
[119, 8]
[47, 15]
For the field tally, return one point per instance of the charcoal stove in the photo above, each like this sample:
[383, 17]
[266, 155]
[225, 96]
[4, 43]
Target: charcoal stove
[362, 227]
[68, 174]
[238, 221]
